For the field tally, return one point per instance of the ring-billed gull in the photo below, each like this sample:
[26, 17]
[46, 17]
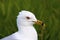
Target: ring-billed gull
[26, 31]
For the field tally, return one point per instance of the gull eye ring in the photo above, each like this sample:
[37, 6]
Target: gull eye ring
[28, 17]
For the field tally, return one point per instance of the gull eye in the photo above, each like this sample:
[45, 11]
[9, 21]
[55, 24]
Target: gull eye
[28, 17]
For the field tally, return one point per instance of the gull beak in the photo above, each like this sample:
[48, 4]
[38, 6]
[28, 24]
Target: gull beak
[39, 22]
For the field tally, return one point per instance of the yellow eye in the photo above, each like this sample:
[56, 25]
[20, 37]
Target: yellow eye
[28, 17]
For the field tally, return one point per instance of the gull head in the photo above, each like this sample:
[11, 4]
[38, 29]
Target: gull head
[26, 18]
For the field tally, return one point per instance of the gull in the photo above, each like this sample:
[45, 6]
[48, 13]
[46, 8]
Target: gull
[26, 30]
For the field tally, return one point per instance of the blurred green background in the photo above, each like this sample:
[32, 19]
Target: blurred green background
[45, 10]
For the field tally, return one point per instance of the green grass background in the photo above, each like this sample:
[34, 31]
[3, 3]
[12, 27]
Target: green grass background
[45, 10]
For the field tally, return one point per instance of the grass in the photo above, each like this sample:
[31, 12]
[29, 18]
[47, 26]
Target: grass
[45, 10]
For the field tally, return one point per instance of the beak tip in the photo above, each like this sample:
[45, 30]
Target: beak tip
[40, 23]
[43, 24]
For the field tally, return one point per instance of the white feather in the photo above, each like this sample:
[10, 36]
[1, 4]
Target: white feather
[26, 31]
